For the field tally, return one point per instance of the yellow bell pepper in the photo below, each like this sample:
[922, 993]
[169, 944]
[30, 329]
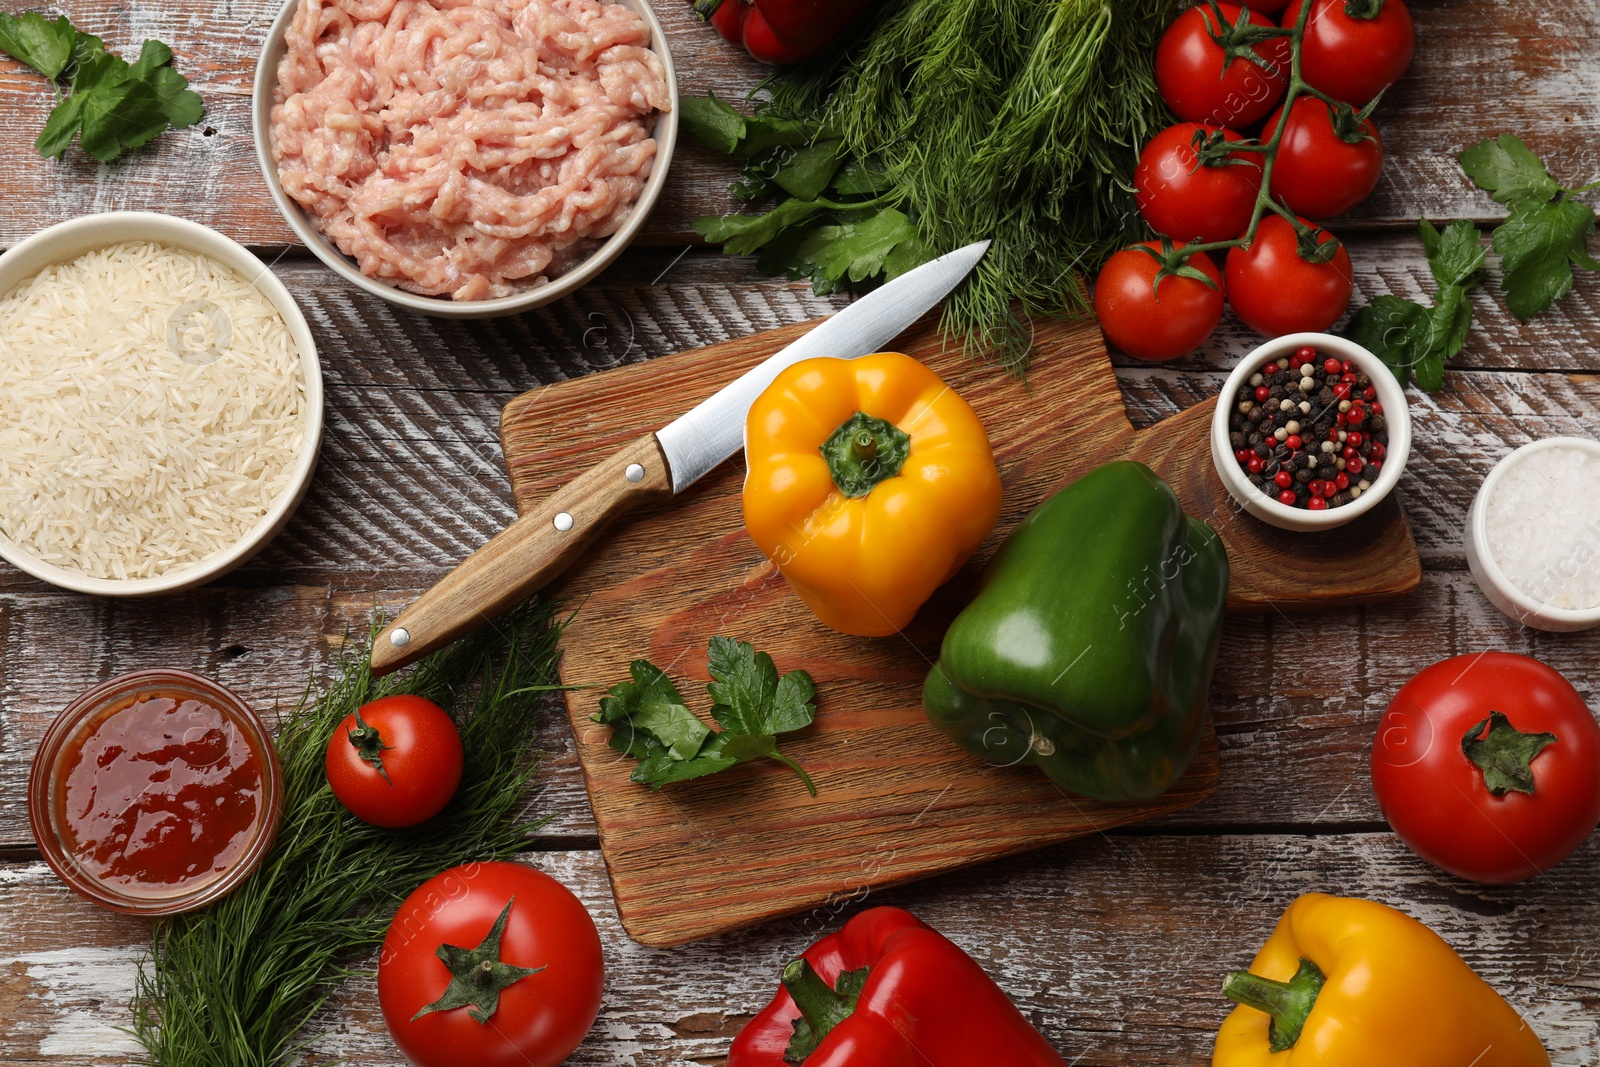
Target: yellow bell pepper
[870, 483]
[1354, 983]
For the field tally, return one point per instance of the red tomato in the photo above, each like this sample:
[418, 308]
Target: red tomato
[539, 1017]
[1274, 290]
[1150, 323]
[1318, 172]
[1189, 202]
[1440, 801]
[1189, 70]
[1352, 58]
[403, 768]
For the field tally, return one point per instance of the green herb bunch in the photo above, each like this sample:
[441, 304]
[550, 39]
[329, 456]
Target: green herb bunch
[1545, 236]
[943, 122]
[751, 702]
[237, 984]
[115, 105]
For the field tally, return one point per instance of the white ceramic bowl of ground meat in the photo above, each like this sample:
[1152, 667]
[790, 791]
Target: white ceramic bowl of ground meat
[466, 159]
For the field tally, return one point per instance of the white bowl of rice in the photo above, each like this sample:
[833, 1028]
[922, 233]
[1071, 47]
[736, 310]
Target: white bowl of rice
[471, 158]
[160, 404]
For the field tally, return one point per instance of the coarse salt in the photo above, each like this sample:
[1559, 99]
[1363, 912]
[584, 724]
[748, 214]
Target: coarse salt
[1543, 527]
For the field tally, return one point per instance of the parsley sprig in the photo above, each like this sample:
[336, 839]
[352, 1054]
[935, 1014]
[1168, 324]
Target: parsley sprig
[1547, 232]
[832, 228]
[114, 105]
[1417, 338]
[652, 724]
[1542, 239]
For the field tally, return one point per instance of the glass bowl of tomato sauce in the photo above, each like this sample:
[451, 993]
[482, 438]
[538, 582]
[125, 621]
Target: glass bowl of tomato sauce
[155, 793]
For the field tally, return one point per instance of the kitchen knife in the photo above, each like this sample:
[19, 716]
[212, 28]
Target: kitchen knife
[541, 544]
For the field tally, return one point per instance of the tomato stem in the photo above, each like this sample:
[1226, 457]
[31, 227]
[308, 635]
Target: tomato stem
[369, 744]
[1504, 754]
[478, 976]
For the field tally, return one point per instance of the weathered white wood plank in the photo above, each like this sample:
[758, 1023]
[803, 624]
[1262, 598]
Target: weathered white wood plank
[1115, 947]
[1295, 726]
[411, 478]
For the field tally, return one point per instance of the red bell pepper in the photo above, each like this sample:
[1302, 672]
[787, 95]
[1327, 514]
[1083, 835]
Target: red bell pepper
[887, 991]
[781, 31]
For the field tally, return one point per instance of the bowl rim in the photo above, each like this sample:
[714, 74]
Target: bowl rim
[42, 780]
[665, 134]
[114, 227]
[1396, 409]
[1478, 532]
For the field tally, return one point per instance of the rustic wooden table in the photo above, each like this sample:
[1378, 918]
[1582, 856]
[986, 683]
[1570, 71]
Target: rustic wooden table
[1114, 945]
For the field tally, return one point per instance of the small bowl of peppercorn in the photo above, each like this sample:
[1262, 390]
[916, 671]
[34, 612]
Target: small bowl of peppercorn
[1310, 432]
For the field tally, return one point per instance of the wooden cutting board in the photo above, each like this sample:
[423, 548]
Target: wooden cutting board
[896, 800]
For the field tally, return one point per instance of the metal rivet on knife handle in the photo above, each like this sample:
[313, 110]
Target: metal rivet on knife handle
[527, 555]
[400, 638]
[634, 473]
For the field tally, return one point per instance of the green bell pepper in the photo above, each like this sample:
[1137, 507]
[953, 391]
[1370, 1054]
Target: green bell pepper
[1089, 648]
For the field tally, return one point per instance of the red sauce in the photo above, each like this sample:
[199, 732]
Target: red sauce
[162, 793]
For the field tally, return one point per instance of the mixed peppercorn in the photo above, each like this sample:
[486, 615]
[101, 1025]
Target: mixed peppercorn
[1309, 430]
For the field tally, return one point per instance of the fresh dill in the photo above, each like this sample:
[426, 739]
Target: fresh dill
[239, 984]
[943, 122]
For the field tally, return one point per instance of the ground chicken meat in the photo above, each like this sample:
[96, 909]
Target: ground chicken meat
[466, 148]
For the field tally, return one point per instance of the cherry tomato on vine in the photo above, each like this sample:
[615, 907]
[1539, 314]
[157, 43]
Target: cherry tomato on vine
[1489, 766]
[1182, 193]
[1190, 67]
[396, 761]
[1153, 322]
[1326, 164]
[1354, 49]
[1275, 290]
[523, 986]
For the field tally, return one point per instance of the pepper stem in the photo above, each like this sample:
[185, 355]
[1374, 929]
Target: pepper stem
[822, 1007]
[1289, 1003]
[1504, 754]
[863, 451]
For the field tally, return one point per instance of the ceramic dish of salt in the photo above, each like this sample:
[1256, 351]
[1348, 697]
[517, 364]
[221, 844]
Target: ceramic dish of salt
[1533, 534]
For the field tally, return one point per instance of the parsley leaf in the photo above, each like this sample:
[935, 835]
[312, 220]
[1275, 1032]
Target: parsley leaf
[33, 39]
[744, 235]
[1546, 234]
[1538, 246]
[114, 105]
[712, 122]
[1417, 339]
[829, 225]
[1509, 171]
[753, 705]
[884, 243]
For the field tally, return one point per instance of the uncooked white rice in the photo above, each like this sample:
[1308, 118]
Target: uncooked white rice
[152, 402]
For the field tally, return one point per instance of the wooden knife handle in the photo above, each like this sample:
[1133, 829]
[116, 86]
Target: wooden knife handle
[525, 556]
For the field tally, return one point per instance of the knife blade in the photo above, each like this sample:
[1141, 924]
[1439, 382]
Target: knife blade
[542, 543]
[700, 439]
